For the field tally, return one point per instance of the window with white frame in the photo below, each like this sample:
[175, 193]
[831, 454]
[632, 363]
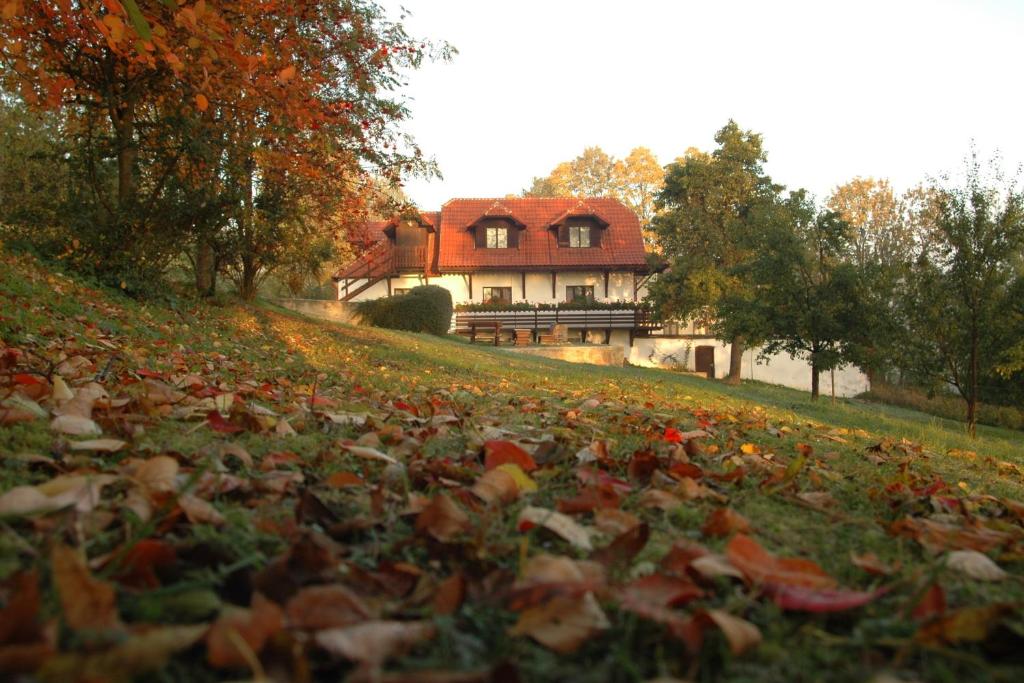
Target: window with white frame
[497, 237]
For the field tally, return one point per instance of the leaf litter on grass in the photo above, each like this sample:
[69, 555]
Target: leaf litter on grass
[247, 493]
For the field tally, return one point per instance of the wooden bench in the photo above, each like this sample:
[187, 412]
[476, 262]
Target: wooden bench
[489, 331]
[558, 334]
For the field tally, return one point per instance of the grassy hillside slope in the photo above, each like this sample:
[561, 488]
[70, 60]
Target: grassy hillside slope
[213, 493]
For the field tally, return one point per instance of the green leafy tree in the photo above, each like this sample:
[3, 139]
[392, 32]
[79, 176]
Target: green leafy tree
[959, 298]
[709, 209]
[806, 297]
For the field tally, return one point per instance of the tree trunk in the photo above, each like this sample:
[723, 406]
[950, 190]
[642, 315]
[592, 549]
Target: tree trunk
[206, 281]
[736, 360]
[815, 381]
[124, 127]
[247, 286]
[972, 398]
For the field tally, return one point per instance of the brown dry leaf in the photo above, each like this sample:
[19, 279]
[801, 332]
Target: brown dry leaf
[968, 625]
[496, 487]
[443, 519]
[79, 490]
[373, 642]
[724, 521]
[822, 500]
[739, 633]
[975, 565]
[87, 602]
[81, 405]
[690, 489]
[449, 595]
[615, 522]
[199, 511]
[870, 563]
[157, 474]
[138, 654]
[713, 565]
[238, 626]
[74, 425]
[160, 393]
[558, 523]
[321, 607]
[100, 445]
[656, 498]
[563, 623]
[369, 453]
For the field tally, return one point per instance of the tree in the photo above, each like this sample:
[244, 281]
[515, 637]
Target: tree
[305, 88]
[959, 296]
[634, 180]
[806, 297]
[708, 210]
[881, 233]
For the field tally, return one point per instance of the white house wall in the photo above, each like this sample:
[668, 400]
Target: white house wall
[538, 286]
[779, 369]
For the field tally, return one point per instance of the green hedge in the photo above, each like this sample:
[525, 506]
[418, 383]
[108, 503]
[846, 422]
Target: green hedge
[422, 309]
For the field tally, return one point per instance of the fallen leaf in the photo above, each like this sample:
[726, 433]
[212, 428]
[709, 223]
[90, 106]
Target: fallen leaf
[374, 642]
[563, 623]
[199, 511]
[101, 445]
[975, 565]
[761, 567]
[870, 563]
[250, 628]
[556, 522]
[443, 519]
[157, 474]
[809, 599]
[75, 425]
[87, 602]
[497, 452]
[741, 635]
[321, 607]
[723, 522]
[967, 625]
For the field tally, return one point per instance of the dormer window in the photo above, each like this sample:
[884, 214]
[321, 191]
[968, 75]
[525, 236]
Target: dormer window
[579, 235]
[496, 237]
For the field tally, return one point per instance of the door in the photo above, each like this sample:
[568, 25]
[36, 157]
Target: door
[705, 360]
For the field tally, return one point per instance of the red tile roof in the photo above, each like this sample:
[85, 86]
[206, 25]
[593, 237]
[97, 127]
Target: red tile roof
[622, 245]
[451, 246]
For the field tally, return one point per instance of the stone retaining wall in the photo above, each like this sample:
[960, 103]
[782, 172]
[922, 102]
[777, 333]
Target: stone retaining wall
[585, 353]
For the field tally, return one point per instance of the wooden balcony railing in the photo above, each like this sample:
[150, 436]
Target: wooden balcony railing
[543, 318]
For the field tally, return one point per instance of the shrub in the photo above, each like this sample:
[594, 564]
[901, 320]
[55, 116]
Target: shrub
[422, 309]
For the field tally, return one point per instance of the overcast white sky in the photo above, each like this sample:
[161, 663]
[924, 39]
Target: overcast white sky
[892, 89]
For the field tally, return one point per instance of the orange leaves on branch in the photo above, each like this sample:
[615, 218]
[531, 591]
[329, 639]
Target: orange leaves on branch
[201, 102]
[286, 74]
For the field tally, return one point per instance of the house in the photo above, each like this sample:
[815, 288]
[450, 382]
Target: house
[519, 258]
[515, 251]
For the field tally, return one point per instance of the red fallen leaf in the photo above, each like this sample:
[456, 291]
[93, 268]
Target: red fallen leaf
[642, 465]
[590, 476]
[25, 379]
[343, 479]
[253, 626]
[932, 604]
[660, 590]
[761, 567]
[402, 405]
[625, 547]
[271, 461]
[319, 400]
[19, 617]
[450, 594]
[589, 499]
[499, 453]
[142, 560]
[219, 424]
[870, 563]
[806, 599]
[679, 557]
[152, 374]
[723, 522]
[525, 525]
[680, 470]
[672, 435]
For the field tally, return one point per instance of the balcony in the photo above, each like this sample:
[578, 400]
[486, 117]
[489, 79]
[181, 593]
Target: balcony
[636, 318]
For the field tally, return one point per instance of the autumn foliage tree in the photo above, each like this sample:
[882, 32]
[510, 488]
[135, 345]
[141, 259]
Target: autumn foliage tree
[167, 97]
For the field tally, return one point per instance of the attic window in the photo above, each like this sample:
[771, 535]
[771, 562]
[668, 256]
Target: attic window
[579, 235]
[496, 237]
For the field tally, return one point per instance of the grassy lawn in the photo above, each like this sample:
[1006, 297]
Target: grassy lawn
[298, 500]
